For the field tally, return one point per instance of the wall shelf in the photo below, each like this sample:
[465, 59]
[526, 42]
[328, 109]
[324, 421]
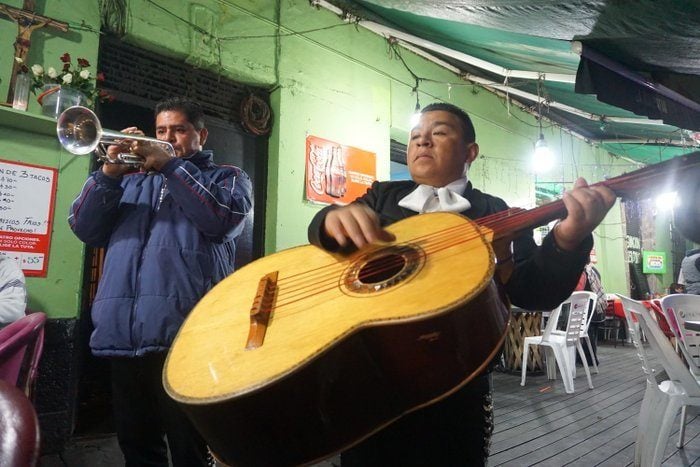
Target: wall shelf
[26, 121]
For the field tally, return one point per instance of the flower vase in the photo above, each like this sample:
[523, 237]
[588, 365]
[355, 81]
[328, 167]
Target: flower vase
[55, 99]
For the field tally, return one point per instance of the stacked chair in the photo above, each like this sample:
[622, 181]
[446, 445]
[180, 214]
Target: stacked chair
[678, 309]
[662, 400]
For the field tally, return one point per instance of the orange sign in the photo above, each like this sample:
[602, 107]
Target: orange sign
[337, 174]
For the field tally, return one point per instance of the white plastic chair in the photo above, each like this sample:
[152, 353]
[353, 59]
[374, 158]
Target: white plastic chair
[678, 308]
[662, 401]
[592, 299]
[558, 345]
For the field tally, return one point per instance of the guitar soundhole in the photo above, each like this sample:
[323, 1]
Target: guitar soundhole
[383, 268]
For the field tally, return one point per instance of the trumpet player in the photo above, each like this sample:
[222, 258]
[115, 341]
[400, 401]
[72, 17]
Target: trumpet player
[169, 234]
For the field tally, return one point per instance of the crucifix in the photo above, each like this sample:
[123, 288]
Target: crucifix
[27, 22]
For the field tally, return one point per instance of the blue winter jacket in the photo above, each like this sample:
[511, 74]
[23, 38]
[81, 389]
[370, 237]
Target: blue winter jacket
[169, 238]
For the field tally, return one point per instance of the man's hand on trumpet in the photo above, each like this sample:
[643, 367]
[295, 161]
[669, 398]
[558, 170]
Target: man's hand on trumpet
[155, 155]
[115, 169]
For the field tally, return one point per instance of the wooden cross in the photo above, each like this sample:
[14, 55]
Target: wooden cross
[27, 22]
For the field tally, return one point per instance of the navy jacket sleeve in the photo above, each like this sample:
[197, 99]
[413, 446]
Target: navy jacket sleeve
[217, 205]
[94, 212]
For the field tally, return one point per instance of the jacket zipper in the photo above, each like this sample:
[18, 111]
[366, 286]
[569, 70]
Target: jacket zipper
[147, 237]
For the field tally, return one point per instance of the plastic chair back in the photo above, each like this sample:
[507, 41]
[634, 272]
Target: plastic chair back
[592, 302]
[580, 301]
[634, 333]
[551, 323]
[680, 308]
[19, 427]
[671, 362]
[21, 345]
[578, 311]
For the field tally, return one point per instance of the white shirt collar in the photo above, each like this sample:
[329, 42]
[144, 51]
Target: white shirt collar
[426, 198]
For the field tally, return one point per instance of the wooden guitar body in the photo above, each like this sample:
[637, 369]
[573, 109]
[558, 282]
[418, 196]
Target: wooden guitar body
[351, 342]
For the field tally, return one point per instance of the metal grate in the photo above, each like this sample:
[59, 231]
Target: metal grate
[143, 74]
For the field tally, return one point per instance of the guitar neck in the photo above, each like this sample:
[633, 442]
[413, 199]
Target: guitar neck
[658, 178]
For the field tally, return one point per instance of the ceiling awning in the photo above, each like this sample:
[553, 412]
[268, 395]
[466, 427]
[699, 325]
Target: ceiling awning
[616, 84]
[523, 50]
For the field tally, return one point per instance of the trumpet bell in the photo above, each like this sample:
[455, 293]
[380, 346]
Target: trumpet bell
[79, 130]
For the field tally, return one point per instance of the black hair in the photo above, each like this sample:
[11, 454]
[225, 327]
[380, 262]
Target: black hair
[192, 110]
[672, 288]
[467, 125]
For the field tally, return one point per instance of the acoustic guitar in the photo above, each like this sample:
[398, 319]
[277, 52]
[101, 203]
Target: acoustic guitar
[303, 353]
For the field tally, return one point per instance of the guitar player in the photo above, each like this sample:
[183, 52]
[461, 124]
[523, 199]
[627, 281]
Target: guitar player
[457, 429]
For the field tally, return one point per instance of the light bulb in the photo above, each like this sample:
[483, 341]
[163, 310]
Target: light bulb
[416, 111]
[542, 160]
[666, 201]
[414, 119]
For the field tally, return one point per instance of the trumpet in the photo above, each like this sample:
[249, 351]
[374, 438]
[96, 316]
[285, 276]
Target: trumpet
[80, 132]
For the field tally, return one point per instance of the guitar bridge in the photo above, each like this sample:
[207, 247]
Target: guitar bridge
[261, 310]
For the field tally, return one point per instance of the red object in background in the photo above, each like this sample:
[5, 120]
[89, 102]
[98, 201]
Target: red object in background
[615, 310]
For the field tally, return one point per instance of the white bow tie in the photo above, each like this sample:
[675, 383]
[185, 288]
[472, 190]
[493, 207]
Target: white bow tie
[426, 198]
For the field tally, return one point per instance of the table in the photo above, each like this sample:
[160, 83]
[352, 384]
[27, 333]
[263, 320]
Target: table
[523, 323]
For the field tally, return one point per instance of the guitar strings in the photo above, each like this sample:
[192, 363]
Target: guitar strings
[441, 240]
[485, 221]
[434, 244]
[502, 223]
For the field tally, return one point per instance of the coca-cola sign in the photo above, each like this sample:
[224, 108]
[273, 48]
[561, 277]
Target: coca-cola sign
[336, 173]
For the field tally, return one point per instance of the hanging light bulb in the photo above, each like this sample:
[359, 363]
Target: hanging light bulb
[416, 112]
[542, 161]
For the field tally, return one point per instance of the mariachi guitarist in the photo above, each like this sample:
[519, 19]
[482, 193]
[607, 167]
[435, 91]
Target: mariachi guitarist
[457, 429]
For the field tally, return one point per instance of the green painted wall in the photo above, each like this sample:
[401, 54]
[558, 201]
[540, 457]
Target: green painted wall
[341, 83]
[31, 138]
[662, 242]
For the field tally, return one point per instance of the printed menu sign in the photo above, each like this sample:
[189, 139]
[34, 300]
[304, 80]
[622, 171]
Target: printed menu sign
[27, 198]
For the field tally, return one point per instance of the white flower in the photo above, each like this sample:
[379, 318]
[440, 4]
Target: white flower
[38, 70]
[19, 60]
[85, 74]
[67, 78]
[52, 72]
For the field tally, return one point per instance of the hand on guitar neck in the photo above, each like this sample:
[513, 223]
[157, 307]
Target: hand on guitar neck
[586, 207]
